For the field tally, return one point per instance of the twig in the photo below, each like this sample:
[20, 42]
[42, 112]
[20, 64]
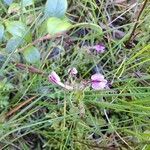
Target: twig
[136, 22]
[46, 37]
[30, 68]
[19, 106]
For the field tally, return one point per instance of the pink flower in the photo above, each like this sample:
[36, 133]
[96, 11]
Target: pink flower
[100, 48]
[98, 81]
[55, 79]
[72, 71]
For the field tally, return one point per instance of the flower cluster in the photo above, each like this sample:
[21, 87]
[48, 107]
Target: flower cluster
[97, 80]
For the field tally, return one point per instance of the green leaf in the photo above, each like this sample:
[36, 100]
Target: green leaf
[31, 54]
[56, 8]
[28, 37]
[13, 44]
[16, 28]
[1, 31]
[27, 3]
[43, 28]
[56, 25]
[8, 2]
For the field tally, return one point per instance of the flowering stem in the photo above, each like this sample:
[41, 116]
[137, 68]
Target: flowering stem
[67, 87]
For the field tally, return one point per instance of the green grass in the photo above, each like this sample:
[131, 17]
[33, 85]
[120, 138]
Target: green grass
[88, 119]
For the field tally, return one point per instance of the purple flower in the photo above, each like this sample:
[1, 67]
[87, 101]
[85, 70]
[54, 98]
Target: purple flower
[98, 81]
[72, 71]
[100, 48]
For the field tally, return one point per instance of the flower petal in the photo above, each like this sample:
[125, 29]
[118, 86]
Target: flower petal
[54, 78]
[98, 85]
[100, 48]
[72, 71]
[97, 77]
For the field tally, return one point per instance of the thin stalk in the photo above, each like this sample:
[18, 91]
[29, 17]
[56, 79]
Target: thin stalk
[136, 22]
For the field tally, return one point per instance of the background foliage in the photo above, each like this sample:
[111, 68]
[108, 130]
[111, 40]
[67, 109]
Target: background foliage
[36, 114]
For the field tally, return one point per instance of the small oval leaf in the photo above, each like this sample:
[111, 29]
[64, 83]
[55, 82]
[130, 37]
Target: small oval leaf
[1, 31]
[13, 44]
[55, 8]
[56, 25]
[16, 28]
[31, 54]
